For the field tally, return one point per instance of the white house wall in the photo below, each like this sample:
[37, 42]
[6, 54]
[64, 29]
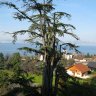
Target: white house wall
[41, 57]
[70, 73]
[85, 75]
[78, 74]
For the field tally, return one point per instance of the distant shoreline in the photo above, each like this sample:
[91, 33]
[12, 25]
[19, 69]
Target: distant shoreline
[9, 48]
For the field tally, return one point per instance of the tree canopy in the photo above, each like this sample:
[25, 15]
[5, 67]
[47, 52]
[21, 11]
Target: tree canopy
[46, 26]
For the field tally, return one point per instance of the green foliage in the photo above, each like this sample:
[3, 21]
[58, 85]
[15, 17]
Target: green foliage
[5, 75]
[88, 55]
[93, 81]
[71, 86]
[38, 79]
[13, 61]
[16, 81]
[1, 60]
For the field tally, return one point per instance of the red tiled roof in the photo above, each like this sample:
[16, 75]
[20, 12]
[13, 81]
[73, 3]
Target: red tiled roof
[79, 67]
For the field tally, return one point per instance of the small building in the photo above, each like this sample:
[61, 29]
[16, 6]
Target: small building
[41, 57]
[94, 58]
[67, 56]
[78, 70]
[79, 59]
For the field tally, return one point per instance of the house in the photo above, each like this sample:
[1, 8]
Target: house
[78, 70]
[41, 57]
[79, 59]
[92, 65]
[94, 58]
[67, 55]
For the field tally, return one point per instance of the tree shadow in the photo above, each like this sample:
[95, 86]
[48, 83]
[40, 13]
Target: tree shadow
[25, 91]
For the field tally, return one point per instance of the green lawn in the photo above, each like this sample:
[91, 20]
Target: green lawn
[37, 79]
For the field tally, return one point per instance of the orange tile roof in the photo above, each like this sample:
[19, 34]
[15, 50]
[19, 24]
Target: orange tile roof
[79, 67]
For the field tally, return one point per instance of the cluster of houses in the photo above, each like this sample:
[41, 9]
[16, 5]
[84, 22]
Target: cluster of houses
[82, 66]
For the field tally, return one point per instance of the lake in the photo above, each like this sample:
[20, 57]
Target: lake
[9, 48]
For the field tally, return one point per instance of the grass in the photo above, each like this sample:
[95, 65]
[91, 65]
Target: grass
[37, 79]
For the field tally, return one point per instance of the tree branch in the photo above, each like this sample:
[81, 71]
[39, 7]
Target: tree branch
[15, 7]
[31, 50]
[73, 35]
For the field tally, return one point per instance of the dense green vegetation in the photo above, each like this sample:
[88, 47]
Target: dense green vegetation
[1, 60]
[88, 55]
[16, 80]
[13, 76]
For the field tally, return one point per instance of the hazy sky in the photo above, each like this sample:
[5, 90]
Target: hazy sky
[83, 14]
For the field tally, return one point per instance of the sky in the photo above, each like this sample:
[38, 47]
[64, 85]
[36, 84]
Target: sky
[83, 14]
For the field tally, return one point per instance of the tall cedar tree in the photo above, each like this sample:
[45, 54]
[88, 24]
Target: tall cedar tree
[45, 28]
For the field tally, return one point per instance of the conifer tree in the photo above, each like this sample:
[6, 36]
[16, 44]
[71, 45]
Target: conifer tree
[44, 31]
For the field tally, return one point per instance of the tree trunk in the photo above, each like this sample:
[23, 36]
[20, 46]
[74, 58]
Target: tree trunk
[56, 83]
[47, 81]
